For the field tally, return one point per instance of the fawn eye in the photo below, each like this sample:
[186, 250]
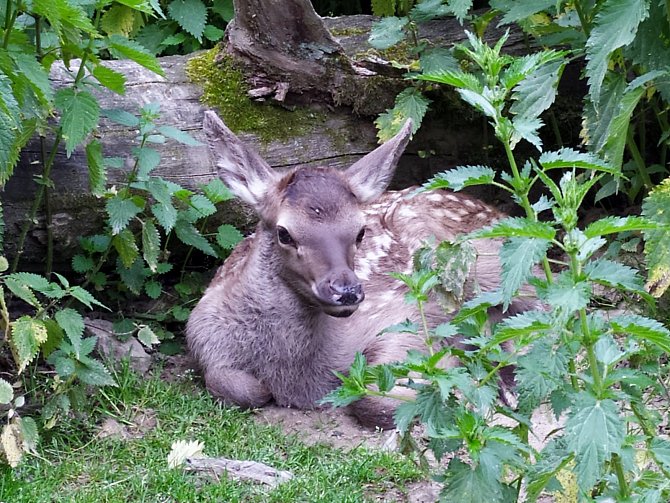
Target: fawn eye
[284, 237]
[359, 238]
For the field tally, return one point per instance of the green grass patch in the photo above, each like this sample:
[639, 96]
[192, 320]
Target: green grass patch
[74, 465]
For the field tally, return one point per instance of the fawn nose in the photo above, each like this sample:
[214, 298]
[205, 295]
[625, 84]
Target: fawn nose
[346, 293]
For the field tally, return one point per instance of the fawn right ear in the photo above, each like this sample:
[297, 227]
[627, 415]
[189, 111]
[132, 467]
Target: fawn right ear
[240, 167]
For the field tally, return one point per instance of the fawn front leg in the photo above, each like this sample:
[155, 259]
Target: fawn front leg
[236, 387]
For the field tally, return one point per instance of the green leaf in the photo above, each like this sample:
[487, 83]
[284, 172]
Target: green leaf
[660, 448]
[191, 236]
[517, 258]
[199, 207]
[166, 215]
[80, 113]
[614, 274]
[539, 372]
[465, 484]
[153, 289]
[121, 117]
[455, 78]
[92, 372]
[147, 336]
[111, 79]
[124, 48]
[516, 227]
[125, 245]
[437, 60]
[228, 236]
[224, 8]
[594, 431]
[72, 324]
[121, 211]
[21, 290]
[96, 168]
[409, 104]
[217, 192]
[191, 15]
[118, 19]
[179, 135]
[387, 32]
[460, 177]
[27, 335]
[427, 10]
[36, 75]
[520, 9]
[566, 294]
[537, 92]
[570, 158]
[613, 225]
[478, 101]
[643, 328]
[151, 244]
[64, 12]
[614, 26]
[6, 392]
[85, 297]
[656, 249]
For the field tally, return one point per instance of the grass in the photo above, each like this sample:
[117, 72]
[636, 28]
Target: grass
[74, 465]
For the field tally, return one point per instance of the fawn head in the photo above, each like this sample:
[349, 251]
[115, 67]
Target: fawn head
[313, 216]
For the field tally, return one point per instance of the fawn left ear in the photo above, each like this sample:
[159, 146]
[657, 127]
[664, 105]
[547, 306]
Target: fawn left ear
[369, 176]
[241, 168]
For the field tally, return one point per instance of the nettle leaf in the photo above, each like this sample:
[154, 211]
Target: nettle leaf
[520, 325]
[125, 245]
[520, 9]
[111, 79]
[199, 207]
[27, 335]
[615, 26]
[217, 192]
[121, 117]
[147, 336]
[80, 113]
[191, 15]
[153, 289]
[656, 249]
[614, 274]
[456, 78]
[228, 236]
[36, 75]
[570, 158]
[133, 276]
[427, 10]
[6, 392]
[438, 60]
[516, 227]
[118, 19]
[566, 294]
[409, 104]
[536, 93]
[93, 372]
[73, 324]
[64, 12]
[517, 258]
[466, 484]
[478, 101]
[526, 129]
[166, 215]
[388, 32]
[121, 211]
[539, 372]
[594, 431]
[460, 8]
[151, 244]
[613, 225]
[21, 290]
[179, 135]
[643, 328]
[123, 48]
[460, 177]
[660, 447]
[85, 297]
[96, 168]
[191, 236]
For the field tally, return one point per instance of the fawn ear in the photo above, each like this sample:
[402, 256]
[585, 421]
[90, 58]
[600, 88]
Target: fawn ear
[369, 176]
[240, 167]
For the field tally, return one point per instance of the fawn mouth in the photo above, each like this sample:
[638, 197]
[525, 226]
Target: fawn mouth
[339, 311]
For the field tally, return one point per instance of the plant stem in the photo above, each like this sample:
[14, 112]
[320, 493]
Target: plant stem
[586, 27]
[621, 477]
[424, 322]
[639, 161]
[10, 19]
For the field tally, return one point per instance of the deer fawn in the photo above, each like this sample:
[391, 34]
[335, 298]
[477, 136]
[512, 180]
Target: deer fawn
[296, 300]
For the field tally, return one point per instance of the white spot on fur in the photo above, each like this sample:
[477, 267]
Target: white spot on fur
[470, 204]
[383, 241]
[436, 197]
[452, 197]
[407, 211]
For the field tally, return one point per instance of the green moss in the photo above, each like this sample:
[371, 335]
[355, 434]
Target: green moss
[348, 32]
[224, 88]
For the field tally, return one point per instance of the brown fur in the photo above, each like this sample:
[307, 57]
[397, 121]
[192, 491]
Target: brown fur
[263, 330]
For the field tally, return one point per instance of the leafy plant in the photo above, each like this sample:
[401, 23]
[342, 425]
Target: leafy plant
[597, 371]
[34, 36]
[182, 26]
[144, 213]
[57, 333]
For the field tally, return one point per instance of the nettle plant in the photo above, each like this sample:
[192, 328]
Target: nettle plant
[55, 331]
[600, 373]
[144, 213]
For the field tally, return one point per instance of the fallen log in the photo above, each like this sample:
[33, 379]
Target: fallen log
[337, 138]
